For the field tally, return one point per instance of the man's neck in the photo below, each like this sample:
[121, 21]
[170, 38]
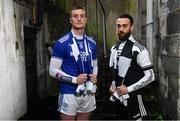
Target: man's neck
[78, 32]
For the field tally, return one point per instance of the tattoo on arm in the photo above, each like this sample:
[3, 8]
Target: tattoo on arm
[63, 78]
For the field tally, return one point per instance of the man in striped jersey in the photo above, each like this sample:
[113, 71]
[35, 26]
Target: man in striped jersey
[132, 70]
[74, 63]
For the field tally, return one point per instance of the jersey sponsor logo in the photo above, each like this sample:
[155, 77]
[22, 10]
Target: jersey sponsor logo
[81, 45]
[83, 56]
[65, 107]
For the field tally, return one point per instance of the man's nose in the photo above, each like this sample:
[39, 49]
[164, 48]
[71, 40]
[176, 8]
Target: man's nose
[120, 28]
[79, 17]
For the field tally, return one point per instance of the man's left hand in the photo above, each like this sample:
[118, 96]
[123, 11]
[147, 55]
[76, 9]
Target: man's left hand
[122, 90]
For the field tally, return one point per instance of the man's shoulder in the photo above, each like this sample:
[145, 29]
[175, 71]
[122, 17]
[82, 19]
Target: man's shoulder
[91, 40]
[139, 47]
[65, 38]
[113, 47]
[141, 50]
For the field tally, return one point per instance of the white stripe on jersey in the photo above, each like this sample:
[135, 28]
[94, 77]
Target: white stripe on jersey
[143, 59]
[90, 39]
[66, 37]
[141, 106]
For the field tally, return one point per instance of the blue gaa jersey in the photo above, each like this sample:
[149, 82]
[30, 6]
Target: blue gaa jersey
[71, 65]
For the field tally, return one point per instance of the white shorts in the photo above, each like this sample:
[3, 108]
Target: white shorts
[70, 104]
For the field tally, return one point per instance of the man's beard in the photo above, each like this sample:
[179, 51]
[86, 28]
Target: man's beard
[124, 36]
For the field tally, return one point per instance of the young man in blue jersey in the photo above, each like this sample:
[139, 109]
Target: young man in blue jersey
[132, 70]
[74, 64]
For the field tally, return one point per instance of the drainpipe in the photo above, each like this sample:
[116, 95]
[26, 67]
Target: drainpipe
[149, 30]
[104, 30]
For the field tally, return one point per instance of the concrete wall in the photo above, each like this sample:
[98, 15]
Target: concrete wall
[169, 57]
[160, 33]
[12, 62]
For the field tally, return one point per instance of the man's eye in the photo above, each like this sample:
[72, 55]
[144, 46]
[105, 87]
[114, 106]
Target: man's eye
[118, 26]
[75, 16]
[125, 25]
[82, 16]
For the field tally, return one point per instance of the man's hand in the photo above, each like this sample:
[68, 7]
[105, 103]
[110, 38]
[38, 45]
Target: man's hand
[122, 90]
[82, 78]
[112, 89]
[93, 78]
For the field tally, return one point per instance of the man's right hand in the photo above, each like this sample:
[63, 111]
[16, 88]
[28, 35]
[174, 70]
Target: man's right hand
[82, 78]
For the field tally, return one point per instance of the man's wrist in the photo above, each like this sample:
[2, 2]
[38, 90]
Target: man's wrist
[74, 80]
[129, 89]
[68, 79]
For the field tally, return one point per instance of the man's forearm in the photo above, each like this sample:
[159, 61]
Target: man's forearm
[65, 78]
[95, 67]
[148, 78]
[54, 71]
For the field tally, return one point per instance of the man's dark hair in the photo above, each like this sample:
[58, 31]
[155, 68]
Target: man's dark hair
[77, 8]
[127, 16]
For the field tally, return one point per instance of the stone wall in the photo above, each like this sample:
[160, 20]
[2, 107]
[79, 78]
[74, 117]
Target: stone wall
[169, 57]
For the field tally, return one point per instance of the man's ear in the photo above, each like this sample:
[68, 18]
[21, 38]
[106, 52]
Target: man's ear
[132, 27]
[86, 20]
[70, 20]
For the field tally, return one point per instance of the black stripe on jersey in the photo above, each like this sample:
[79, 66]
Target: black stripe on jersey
[127, 49]
[147, 68]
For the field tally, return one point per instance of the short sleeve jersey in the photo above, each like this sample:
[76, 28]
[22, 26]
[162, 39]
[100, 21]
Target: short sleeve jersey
[62, 50]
